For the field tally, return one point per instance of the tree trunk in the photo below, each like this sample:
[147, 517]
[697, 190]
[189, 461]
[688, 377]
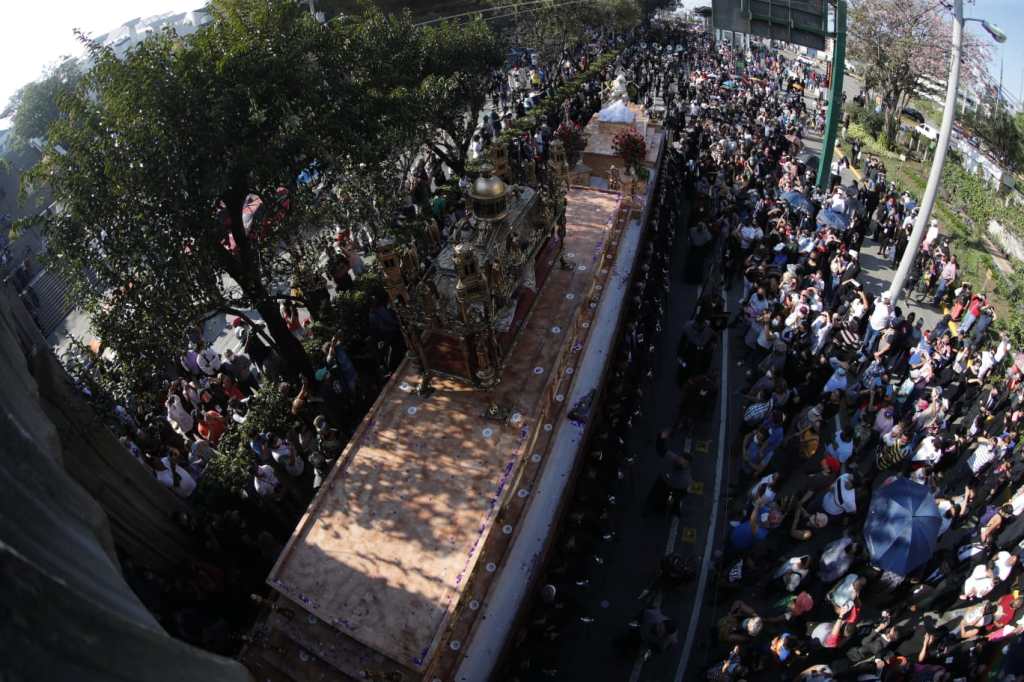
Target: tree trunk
[891, 121]
[290, 348]
[245, 270]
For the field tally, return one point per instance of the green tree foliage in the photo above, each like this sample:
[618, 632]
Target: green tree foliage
[36, 105]
[459, 62]
[1000, 130]
[551, 26]
[166, 147]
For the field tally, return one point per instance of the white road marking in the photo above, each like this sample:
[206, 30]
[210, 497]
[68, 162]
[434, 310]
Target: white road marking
[673, 531]
[709, 542]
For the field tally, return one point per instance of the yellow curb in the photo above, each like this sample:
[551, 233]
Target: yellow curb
[856, 173]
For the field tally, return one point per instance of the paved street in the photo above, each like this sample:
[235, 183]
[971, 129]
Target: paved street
[599, 649]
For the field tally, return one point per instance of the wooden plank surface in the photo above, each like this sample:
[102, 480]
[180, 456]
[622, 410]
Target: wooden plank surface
[387, 547]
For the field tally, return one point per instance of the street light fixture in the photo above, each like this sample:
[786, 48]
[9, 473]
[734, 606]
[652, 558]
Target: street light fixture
[993, 30]
[945, 131]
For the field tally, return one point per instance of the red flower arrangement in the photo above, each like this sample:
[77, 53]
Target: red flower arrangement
[632, 147]
[571, 135]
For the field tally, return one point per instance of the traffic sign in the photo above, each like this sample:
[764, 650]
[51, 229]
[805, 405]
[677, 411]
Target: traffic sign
[802, 22]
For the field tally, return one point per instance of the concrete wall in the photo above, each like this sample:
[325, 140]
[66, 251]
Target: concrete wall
[68, 613]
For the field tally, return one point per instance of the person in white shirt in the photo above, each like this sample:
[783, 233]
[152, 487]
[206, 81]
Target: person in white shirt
[979, 583]
[933, 232]
[748, 235]
[881, 316]
[178, 416]
[844, 594]
[1002, 564]
[838, 381]
[986, 364]
[840, 498]
[840, 448]
[1003, 349]
[821, 329]
[174, 477]
[285, 455]
[793, 571]
[209, 361]
[928, 452]
[948, 510]
[983, 454]
[764, 489]
[838, 201]
[265, 481]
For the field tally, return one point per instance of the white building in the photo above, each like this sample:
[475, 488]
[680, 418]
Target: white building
[133, 32]
[977, 162]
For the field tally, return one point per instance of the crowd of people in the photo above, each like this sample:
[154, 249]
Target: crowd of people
[207, 403]
[849, 399]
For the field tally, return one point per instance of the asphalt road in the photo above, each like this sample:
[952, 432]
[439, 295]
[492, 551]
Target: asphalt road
[603, 649]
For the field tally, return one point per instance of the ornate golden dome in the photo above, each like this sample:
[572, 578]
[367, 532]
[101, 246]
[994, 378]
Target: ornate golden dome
[489, 196]
[488, 186]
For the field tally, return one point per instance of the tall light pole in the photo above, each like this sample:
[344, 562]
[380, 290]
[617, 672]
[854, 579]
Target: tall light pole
[948, 114]
[835, 99]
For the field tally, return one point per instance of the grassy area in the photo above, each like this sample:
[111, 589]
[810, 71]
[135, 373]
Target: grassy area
[932, 111]
[963, 215]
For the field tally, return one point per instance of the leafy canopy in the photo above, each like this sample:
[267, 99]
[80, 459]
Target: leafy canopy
[169, 148]
[899, 42]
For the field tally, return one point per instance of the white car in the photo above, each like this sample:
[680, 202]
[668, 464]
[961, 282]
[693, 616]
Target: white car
[927, 131]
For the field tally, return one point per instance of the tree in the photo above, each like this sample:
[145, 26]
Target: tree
[898, 42]
[1001, 131]
[167, 147]
[36, 105]
[459, 64]
[552, 26]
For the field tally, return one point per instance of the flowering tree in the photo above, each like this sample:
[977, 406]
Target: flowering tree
[898, 42]
[631, 146]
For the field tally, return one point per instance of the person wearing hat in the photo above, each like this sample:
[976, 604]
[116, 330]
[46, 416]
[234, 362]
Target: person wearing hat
[657, 630]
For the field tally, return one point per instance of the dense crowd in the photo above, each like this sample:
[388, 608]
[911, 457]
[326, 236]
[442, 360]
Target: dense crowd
[848, 399]
[850, 403]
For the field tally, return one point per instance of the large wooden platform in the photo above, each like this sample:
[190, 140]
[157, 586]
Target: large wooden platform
[386, 550]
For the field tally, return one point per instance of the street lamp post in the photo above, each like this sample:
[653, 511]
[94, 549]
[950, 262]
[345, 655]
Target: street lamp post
[835, 100]
[935, 175]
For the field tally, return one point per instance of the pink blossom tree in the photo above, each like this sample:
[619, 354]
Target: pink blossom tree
[897, 42]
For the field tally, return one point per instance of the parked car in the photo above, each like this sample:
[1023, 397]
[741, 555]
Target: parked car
[914, 114]
[925, 130]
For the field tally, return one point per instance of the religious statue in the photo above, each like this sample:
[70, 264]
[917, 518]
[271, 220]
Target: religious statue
[614, 181]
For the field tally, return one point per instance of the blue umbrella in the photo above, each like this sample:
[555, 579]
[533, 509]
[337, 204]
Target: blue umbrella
[829, 218]
[902, 526]
[798, 201]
